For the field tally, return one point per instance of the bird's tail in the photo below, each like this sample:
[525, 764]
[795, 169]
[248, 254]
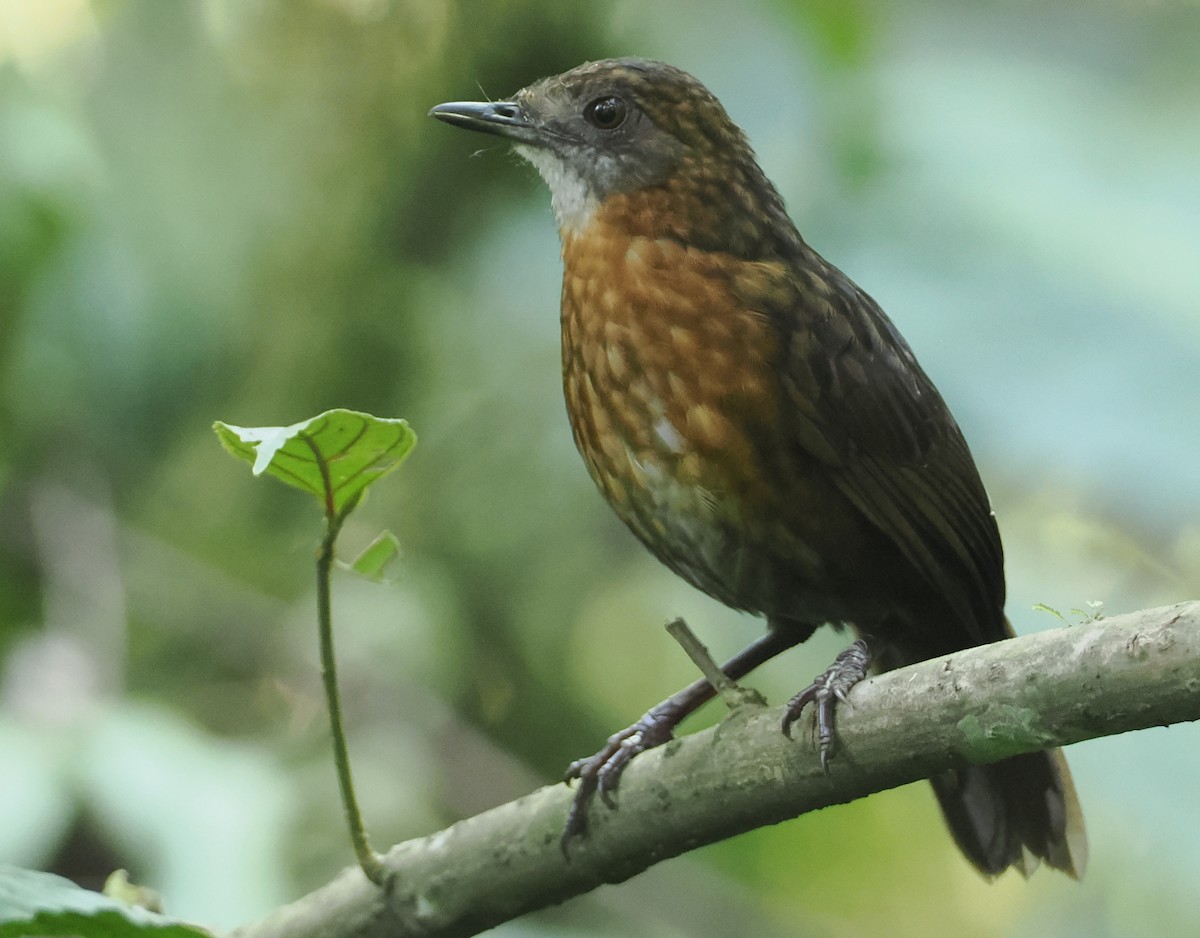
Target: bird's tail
[1016, 812]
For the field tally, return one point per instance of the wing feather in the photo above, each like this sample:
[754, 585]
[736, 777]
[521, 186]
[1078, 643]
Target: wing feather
[892, 446]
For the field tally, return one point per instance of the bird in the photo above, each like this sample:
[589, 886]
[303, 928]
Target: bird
[762, 427]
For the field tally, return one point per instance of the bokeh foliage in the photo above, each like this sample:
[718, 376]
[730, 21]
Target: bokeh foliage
[239, 210]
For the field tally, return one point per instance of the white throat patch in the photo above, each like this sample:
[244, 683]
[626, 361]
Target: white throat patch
[570, 197]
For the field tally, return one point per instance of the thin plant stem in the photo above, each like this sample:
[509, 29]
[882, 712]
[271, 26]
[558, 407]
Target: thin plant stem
[368, 859]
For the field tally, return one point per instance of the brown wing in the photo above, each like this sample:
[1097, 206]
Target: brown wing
[892, 446]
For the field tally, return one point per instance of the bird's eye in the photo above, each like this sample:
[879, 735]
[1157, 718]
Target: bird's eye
[607, 113]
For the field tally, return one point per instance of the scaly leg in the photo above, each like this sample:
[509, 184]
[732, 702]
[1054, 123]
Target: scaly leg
[601, 773]
[827, 690]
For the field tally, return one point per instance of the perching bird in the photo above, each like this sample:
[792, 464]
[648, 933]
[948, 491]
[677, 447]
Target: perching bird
[762, 427]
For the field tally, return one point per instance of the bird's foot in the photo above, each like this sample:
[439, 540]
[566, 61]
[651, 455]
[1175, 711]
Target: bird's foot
[827, 691]
[601, 773]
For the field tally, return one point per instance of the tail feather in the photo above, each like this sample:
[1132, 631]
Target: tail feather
[1017, 812]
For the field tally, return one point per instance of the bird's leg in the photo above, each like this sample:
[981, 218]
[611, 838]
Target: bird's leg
[602, 772]
[827, 690]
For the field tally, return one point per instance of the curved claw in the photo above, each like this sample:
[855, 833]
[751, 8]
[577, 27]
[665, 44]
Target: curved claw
[796, 706]
[608, 777]
[602, 772]
[827, 691]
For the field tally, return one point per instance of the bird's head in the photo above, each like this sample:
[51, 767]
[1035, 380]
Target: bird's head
[623, 127]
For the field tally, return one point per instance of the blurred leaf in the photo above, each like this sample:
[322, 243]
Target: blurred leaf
[1050, 610]
[376, 556]
[118, 886]
[333, 456]
[1093, 613]
[34, 903]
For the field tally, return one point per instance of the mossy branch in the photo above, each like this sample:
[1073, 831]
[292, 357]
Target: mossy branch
[1128, 672]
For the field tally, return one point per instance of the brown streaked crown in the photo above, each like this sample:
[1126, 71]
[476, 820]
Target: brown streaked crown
[653, 134]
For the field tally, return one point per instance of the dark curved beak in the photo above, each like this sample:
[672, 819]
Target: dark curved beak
[503, 118]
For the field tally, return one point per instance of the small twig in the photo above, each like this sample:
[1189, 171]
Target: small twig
[682, 633]
[731, 692]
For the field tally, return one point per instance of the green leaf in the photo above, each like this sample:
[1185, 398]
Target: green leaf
[33, 903]
[1042, 607]
[333, 456]
[375, 557]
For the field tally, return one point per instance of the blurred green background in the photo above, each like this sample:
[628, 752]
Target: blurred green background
[238, 210]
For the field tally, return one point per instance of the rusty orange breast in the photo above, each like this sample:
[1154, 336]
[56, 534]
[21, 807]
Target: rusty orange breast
[671, 389]
[661, 362]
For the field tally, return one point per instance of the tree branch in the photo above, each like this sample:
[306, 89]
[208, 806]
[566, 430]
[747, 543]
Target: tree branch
[1059, 687]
